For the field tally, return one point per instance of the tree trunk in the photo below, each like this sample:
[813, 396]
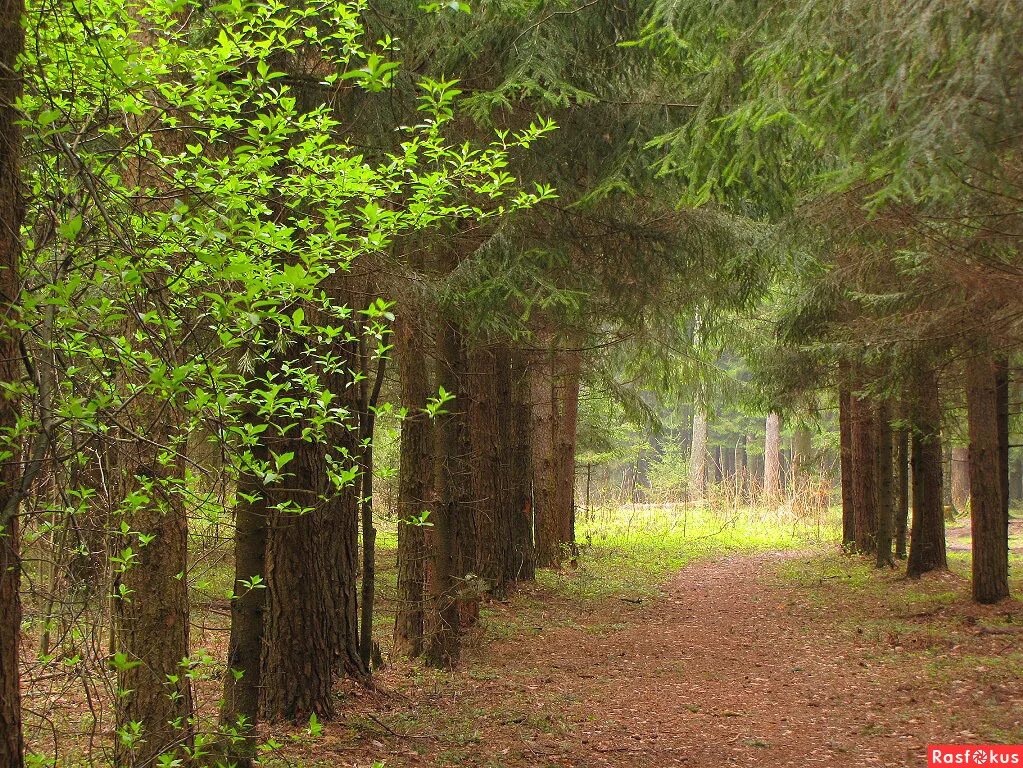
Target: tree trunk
[544, 459]
[1016, 477]
[845, 420]
[312, 556]
[902, 483]
[960, 478]
[487, 434]
[802, 458]
[239, 713]
[12, 213]
[443, 642]
[1002, 384]
[946, 487]
[988, 522]
[415, 481]
[151, 609]
[927, 544]
[338, 546]
[741, 466]
[756, 473]
[567, 393]
[698, 454]
[772, 459]
[727, 464]
[518, 491]
[11, 745]
[300, 623]
[864, 471]
[368, 398]
[885, 487]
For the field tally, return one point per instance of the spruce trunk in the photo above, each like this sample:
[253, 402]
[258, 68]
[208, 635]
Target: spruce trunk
[902, 483]
[845, 418]
[927, 542]
[698, 454]
[741, 467]
[988, 523]
[543, 428]
[1002, 385]
[772, 459]
[368, 398]
[239, 713]
[567, 405]
[443, 641]
[864, 473]
[802, 456]
[12, 213]
[415, 475]
[518, 489]
[487, 450]
[960, 478]
[300, 624]
[312, 557]
[885, 487]
[151, 611]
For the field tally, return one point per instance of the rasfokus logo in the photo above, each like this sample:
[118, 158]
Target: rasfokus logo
[974, 754]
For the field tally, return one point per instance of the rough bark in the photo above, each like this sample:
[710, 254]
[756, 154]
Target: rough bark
[989, 529]
[902, 485]
[415, 481]
[885, 487]
[864, 474]
[151, 611]
[443, 641]
[1002, 393]
[543, 429]
[239, 711]
[927, 544]
[312, 555]
[338, 546]
[242, 682]
[487, 434]
[499, 442]
[12, 212]
[772, 458]
[467, 554]
[845, 418]
[698, 454]
[518, 490]
[11, 740]
[567, 394]
[300, 624]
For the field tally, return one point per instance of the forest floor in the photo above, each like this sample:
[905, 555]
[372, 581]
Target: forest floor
[771, 658]
[683, 638]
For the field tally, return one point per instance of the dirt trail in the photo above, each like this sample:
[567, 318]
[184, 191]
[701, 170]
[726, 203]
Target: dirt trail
[725, 670]
[732, 665]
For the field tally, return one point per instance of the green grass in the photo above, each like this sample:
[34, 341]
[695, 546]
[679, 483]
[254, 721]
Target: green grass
[631, 550]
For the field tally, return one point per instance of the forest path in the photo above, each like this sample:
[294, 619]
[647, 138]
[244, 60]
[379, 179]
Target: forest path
[774, 659]
[730, 666]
